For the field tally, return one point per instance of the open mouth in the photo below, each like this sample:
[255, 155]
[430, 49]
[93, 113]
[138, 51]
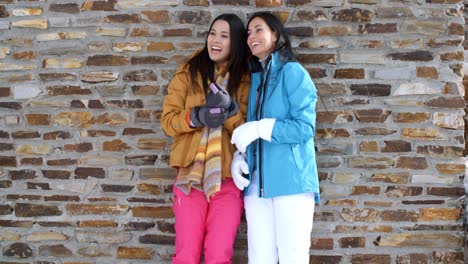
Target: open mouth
[254, 44]
[215, 49]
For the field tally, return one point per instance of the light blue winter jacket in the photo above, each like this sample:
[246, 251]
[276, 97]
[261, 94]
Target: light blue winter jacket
[286, 165]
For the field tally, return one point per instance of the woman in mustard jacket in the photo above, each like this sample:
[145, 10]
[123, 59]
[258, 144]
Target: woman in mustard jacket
[206, 101]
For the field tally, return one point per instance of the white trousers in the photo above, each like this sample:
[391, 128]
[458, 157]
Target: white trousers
[278, 228]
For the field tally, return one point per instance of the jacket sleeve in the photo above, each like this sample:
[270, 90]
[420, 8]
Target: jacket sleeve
[302, 98]
[173, 119]
[242, 98]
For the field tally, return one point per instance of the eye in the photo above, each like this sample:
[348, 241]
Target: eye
[212, 33]
[225, 36]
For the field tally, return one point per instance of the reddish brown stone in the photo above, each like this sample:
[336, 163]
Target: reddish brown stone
[11, 105]
[193, 17]
[24, 197]
[81, 147]
[420, 55]
[3, 12]
[108, 5]
[6, 146]
[126, 103]
[139, 226]
[56, 135]
[117, 188]
[123, 18]
[5, 209]
[18, 250]
[197, 2]
[156, 239]
[317, 73]
[141, 160]
[38, 186]
[56, 90]
[155, 212]
[399, 215]
[350, 73]
[456, 29]
[378, 28]
[448, 257]
[372, 115]
[370, 259]
[446, 102]
[84, 173]
[322, 259]
[446, 191]
[413, 163]
[267, 3]
[98, 223]
[56, 174]
[148, 60]
[25, 134]
[396, 146]
[70, 8]
[132, 131]
[38, 119]
[352, 242]
[22, 174]
[371, 89]
[315, 15]
[57, 76]
[25, 55]
[62, 198]
[177, 32]
[317, 58]
[100, 133]
[33, 210]
[394, 191]
[62, 162]
[353, 15]
[140, 76]
[36, 161]
[300, 31]
[5, 184]
[5, 92]
[107, 60]
[8, 161]
[157, 17]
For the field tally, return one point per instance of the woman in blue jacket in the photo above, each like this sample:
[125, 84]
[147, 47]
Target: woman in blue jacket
[276, 148]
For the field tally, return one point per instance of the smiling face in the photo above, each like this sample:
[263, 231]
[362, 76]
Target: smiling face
[261, 39]
[219, 42]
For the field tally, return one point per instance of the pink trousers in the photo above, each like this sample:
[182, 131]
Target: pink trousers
[211, 226]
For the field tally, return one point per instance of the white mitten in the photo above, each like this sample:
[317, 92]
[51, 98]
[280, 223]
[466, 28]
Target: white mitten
[239, 166]
[250, 131]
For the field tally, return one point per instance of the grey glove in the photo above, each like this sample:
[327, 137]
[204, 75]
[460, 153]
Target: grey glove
[218, 97]
[201, 116]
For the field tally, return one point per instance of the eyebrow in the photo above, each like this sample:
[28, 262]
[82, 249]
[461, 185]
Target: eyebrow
[256, 26]
[222, 31]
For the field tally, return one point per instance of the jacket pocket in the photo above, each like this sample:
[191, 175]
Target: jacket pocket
[298, 158]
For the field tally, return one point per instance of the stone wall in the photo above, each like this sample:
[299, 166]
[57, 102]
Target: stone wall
[84, 176]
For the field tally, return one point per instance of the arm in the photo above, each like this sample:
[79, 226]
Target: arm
[302, 98]
[174, 114]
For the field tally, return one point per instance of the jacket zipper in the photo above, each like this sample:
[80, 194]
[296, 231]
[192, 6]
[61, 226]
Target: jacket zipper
[260, 149]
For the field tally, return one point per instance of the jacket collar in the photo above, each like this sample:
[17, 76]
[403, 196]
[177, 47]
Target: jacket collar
[276, 61]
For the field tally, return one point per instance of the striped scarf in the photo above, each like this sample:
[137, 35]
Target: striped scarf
[204, 173]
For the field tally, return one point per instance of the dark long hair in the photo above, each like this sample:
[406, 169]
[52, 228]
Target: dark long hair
[237, 59]
[283, 44]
